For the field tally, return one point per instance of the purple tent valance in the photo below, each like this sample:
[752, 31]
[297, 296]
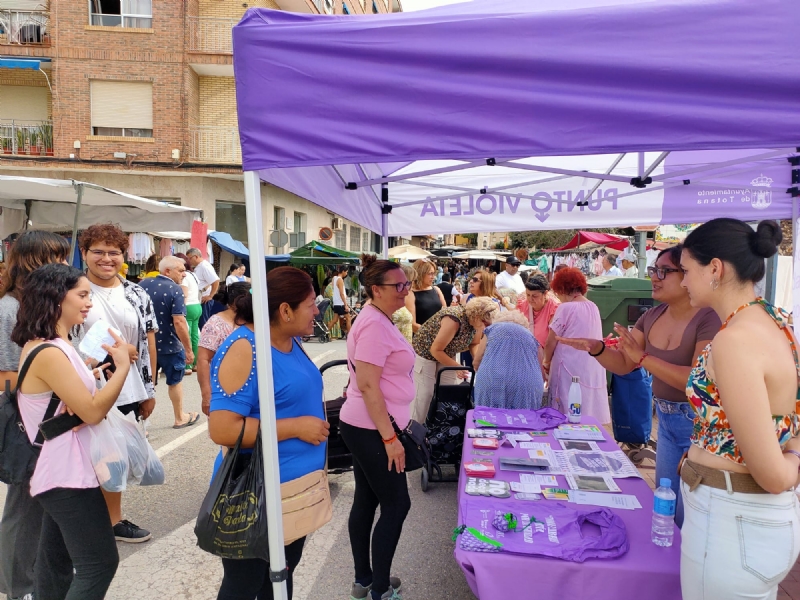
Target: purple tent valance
[516, 78]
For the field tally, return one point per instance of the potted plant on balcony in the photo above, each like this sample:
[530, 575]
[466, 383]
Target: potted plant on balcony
[33, 139]
[22, 140]
[8, 145]
[46, 135]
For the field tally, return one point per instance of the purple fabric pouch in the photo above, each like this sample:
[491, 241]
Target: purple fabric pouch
[559, 531]
[520, 419]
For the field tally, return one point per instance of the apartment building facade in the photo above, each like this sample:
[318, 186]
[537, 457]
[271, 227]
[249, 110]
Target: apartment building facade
[139, 96]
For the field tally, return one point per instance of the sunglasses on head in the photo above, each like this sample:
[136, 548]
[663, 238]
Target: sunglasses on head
[660, 273]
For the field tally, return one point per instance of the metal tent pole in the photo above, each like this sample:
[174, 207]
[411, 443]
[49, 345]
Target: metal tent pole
[73, 243]
[266, 392]
[386, 209]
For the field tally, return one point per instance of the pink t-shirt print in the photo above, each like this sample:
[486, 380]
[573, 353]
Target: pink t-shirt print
[64, 461]
[374, 339]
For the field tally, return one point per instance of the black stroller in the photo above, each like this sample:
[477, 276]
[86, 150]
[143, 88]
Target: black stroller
[321, 331]
[446, 421]
[339, 457]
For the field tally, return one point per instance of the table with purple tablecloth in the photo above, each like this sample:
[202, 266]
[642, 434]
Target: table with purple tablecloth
[646, 571]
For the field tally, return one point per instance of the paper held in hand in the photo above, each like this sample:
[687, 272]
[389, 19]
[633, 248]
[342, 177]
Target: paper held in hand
[92, 343]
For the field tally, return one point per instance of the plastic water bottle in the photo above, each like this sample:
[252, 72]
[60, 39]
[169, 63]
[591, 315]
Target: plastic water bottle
[663, 529]
[574, 399]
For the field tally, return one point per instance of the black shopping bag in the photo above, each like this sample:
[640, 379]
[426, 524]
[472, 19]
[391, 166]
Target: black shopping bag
[233, 517]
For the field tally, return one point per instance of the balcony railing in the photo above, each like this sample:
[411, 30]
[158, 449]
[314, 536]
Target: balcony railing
[24, 27]
[210, 34]
[34, 138]
[215, 145]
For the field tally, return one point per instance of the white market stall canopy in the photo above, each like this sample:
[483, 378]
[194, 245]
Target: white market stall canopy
[408, 252]
[52, 204]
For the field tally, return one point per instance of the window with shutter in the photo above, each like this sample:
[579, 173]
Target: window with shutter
[122, 108]
[365, 242]
[355, 239]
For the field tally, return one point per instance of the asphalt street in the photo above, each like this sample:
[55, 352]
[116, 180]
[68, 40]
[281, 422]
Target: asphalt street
[171, 566]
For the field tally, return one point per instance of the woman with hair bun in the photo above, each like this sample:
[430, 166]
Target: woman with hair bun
[575, 317]
[741, 529]
[380, 361]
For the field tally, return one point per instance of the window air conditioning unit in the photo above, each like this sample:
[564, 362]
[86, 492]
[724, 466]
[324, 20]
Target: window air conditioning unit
[337, 224]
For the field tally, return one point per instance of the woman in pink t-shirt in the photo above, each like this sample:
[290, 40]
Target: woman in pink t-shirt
[77, 555]
[381, 362]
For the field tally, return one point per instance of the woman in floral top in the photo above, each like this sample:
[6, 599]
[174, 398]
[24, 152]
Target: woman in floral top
[741, 528]
[216, 329]
[450, 331]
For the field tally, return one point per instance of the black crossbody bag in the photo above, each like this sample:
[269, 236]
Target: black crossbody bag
[18, 455]
[414, 439]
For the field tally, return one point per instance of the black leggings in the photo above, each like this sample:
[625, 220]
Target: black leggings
[375, 485]
[248, 579]
[76, 534]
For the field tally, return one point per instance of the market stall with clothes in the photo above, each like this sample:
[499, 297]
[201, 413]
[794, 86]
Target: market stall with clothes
[563, 151]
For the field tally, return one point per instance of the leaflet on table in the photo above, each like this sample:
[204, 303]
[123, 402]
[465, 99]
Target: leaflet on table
[540, 480]
[486, 443]
[624, 501]
[493, 488]
[485, 433]
[578, 445]
[525, 465]
[592, 483]
[579, 432]
[576, 462]
[534, 445]
[528, 488]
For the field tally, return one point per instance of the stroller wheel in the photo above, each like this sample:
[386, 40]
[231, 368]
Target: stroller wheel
[322, 337]
[423, 479]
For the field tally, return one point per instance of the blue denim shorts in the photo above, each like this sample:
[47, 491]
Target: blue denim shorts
[173, 365]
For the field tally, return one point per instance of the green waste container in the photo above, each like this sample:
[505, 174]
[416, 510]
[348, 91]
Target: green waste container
[620, 300]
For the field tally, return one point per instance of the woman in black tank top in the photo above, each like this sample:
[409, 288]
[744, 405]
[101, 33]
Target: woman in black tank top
[424, 300]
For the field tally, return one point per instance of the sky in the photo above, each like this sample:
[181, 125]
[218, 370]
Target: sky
[409, 5]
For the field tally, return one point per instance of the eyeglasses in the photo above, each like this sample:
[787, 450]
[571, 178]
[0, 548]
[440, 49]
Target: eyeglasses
[661, 273]
[400, 287]
[101, 253]
[476, 279]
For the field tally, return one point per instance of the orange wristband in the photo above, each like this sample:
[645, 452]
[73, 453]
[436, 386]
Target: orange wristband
[390, 440]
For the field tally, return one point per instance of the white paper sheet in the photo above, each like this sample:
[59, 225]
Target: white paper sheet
[577, 462]
[528, 488]
[624, 501]
[92, 343]
[540, 480]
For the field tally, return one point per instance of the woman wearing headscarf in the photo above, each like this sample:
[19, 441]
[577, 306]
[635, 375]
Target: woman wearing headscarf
[507, 362]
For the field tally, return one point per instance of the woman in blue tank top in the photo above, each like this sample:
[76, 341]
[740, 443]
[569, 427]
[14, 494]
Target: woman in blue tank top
[302, 428]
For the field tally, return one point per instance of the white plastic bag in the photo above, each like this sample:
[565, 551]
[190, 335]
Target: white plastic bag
[109, 455]
[144, 466]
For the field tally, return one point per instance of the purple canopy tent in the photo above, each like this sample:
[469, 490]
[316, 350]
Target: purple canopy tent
[335, 109]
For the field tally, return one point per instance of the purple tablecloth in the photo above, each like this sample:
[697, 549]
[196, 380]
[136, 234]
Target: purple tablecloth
[646, 571]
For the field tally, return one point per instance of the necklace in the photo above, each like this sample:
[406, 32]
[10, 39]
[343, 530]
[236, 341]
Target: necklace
[383, 313]
[105, 292]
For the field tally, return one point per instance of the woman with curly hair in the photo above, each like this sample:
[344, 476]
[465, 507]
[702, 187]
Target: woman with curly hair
[575, 317]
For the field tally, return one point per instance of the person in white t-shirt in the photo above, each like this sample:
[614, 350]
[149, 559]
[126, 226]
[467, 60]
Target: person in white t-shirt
[207, 279]
[629, 268]
[126, 307]
[510, 277]
[194, 309]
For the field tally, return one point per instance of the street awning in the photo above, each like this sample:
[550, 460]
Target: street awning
[239, 250]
